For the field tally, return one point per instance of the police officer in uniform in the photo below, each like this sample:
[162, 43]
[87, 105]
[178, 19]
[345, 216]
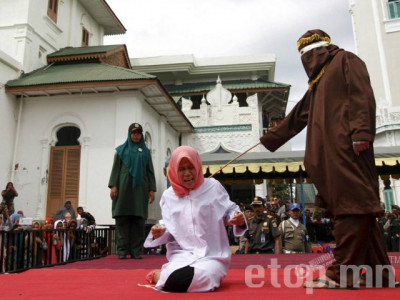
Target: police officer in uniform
[263, 234]
[294, 234]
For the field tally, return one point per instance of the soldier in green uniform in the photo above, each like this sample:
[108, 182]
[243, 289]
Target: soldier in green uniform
[263, 234]
[132, 185]
[294, 234]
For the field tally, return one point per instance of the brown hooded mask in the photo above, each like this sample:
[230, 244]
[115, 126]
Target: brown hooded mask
[315, 59]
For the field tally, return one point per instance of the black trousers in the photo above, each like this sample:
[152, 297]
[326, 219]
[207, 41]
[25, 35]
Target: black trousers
[129, 234]
[179, 280]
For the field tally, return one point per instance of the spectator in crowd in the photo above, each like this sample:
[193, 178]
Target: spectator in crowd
[71, 237]
[8, 194]
[7, 223]
[309, 225]
[34, 245]
[382, 221]
[15, 219]
[91, 221]
[58, 242]
[394, 232]
[395, 209]
[272, 214]
[47, 228]
[83, 223]
[249, 215]
[3, 243]
[195, 212]
[16, 243]
[60, 214]
[132, 186]
[84, 238]
[282, 211]
[274, 204]
[263, 234]
[308, 214]
[67, 218]
[339, 156]
[294, 234]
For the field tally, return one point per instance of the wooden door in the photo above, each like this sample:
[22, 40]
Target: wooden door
[63, 178]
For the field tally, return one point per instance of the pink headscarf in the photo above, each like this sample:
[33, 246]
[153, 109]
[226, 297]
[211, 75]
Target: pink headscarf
[194, 158]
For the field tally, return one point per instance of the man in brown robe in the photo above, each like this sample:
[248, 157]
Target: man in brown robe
[339, 112]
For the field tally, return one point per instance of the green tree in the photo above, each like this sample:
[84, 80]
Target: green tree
[282, 191]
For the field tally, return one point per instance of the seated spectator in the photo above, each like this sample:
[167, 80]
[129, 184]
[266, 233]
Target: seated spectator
[59, 215]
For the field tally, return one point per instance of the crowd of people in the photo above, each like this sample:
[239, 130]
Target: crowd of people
[65, 236]
[272, 212]
[390, 227]
[276, 226]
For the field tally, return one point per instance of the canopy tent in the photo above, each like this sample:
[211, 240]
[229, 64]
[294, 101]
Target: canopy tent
[284, 166]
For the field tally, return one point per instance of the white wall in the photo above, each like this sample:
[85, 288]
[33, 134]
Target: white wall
[9, 68]
[103, 121]
[28, 34]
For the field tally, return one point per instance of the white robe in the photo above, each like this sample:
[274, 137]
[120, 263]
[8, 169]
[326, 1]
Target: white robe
[196, 234]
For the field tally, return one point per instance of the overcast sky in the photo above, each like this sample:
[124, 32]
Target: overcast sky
[212, 28]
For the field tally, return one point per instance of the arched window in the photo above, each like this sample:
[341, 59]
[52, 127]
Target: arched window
[64, 170]
[168, 154]
[68, 136]
[147, 140]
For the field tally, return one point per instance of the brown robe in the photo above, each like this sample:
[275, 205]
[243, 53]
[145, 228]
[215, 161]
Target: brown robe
[338, 110]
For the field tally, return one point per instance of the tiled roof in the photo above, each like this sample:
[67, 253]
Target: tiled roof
[72, 51]
[77, 73]
[241, 84]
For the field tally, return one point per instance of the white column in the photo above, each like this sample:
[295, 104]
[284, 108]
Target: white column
[381, 50]
[84, 171]
[44, 178]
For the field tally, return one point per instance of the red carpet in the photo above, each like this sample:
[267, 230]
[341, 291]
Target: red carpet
[110, 278]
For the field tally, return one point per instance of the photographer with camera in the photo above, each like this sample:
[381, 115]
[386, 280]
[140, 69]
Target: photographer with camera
[8, 194]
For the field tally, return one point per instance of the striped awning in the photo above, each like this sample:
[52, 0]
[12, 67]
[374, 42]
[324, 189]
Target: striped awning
[388, 167]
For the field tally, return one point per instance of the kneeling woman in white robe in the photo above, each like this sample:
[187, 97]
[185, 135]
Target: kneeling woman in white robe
[195, 212]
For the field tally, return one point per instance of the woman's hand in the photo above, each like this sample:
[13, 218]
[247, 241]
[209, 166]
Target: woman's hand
[151, 197]
[113, 193]
[238, 219]
[157, 231]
